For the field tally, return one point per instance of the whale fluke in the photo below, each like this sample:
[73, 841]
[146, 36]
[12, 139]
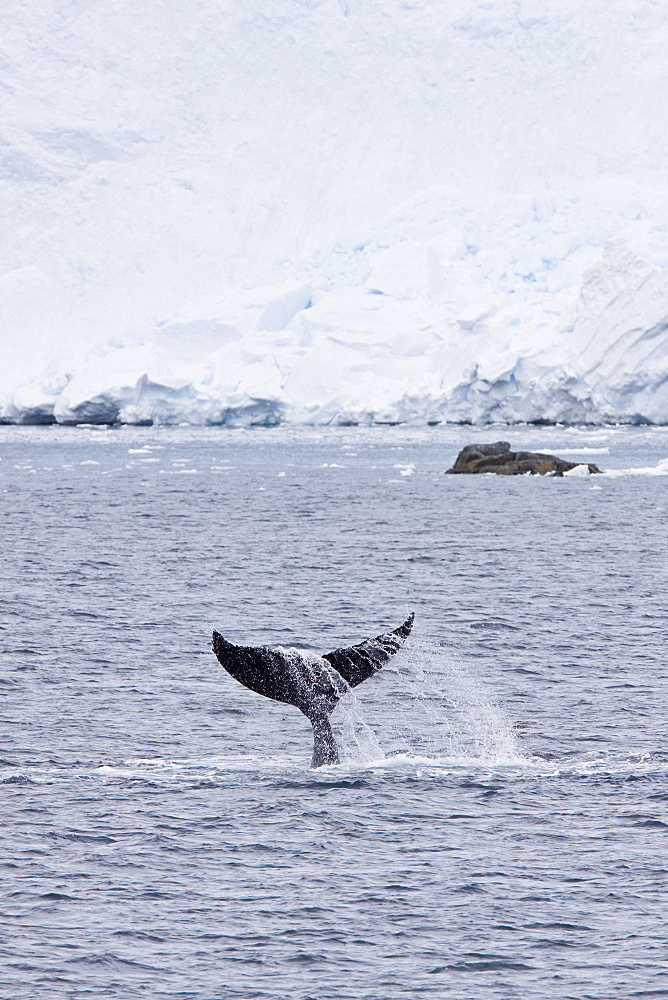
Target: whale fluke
[313, 684]
[356, 663]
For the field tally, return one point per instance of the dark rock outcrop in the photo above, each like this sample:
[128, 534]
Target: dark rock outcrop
[500, 459]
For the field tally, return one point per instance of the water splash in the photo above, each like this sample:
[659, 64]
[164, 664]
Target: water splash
[447, 713]
[358, 741]
[448, 716]
[462, 718]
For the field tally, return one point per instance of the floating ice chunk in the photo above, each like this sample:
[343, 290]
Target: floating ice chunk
[660, 469]
[578, 451]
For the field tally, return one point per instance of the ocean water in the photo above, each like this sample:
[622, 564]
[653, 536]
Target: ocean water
[499, 825]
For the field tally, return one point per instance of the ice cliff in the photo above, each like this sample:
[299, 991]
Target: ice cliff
[334, 211]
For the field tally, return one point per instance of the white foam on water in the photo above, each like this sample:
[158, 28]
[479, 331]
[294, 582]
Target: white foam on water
[360, 758]
[438, 768]
[186, 770]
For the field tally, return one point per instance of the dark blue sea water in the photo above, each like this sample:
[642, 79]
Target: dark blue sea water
[499, 826]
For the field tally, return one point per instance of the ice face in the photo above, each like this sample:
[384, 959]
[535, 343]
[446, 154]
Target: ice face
[356, 213]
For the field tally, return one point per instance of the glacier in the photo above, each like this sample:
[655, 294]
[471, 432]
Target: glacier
[328, 211]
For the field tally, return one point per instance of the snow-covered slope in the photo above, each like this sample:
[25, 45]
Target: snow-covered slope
[334, 210]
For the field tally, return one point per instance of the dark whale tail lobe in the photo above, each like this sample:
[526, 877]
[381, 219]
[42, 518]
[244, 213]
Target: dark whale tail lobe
[356, 663]
[313, 687]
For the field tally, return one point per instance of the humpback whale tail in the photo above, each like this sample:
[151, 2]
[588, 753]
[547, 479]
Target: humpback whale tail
[314, 685]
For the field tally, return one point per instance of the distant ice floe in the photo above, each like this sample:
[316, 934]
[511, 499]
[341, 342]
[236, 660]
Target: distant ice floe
[576, 451]
[660, 469]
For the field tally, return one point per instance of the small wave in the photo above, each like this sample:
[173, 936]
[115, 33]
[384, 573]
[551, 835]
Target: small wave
[138, 935]
[496, 965]
[324, 783]
[558, 926]
[86, 838]
[113, 961]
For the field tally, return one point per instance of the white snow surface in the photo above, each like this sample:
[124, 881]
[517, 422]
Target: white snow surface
[323, 211]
